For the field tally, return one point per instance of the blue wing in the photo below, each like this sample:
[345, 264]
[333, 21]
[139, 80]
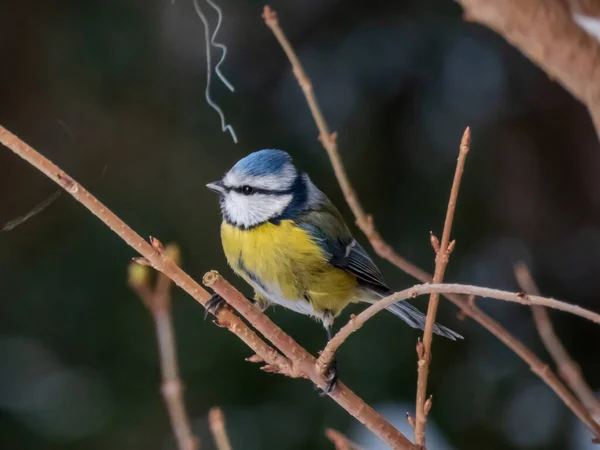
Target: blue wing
[330, 232]
[356, 261]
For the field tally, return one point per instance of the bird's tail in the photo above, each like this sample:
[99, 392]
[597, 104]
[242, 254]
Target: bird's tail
[406, 311]
[416, 319]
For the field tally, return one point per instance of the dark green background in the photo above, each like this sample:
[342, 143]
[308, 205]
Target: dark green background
[112, 91]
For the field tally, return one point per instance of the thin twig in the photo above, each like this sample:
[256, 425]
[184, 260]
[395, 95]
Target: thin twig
[339, 441]
[216, 422]
[443, 251]
[420, 289]
[158, 303]
[383, 249]
[567, 368]
[154, 256]
[542, 370]
[327, 138]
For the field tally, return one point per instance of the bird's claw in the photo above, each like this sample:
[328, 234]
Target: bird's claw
[331, 377]
[214, 305]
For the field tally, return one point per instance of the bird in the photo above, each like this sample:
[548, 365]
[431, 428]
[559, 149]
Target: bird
[287, 240]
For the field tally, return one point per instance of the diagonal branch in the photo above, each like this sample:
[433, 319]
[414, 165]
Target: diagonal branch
[303, 362]
[567, 368]
[154, 255]
[366, 224]
[442, 255]
[327, 138]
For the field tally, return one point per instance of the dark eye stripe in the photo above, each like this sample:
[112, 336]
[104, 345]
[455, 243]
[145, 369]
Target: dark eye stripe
[255, 190]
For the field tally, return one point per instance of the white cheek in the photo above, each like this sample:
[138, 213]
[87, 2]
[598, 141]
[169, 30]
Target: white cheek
[249, 210]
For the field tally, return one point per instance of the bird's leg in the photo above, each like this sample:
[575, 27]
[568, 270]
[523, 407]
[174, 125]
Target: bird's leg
[331, 374]
[216, 302]
[214, 305]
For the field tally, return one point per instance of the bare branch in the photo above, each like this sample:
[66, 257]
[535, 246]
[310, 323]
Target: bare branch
[161, 262]
[567, 368]
[356, 322]
[303, 363]
[216, 422]
[540, 369]
[158, 303]
[441, 261]
[546, 33]
[366, 224]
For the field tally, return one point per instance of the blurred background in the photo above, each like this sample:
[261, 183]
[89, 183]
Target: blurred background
[113, 92]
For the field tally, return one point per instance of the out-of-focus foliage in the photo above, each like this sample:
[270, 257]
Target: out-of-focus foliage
[113, 92]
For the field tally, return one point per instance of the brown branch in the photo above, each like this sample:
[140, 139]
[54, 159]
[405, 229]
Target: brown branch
[356, 322]
[339, 441]
[158, 303]
[545, 32]
[443, 251]
[385, 251]
[567, 368]
[216, 422]
[154, 256]
[327, 138]
[540, 369]
[589, 8]
[304, 363]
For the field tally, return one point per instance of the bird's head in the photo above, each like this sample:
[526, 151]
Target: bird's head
[260, 187]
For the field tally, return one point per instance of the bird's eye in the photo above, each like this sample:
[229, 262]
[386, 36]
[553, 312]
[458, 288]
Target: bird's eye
[247, 190]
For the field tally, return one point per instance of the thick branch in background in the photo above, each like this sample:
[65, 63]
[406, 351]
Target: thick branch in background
[154, 255]
[366, 224]
[442, 250]
[567, 368]
[546, 33]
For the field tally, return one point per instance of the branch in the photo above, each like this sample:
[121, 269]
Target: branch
[340, 441]
[540, 369]
[327, 138]
[216, 422]
[304, 364]
[366, 224]
[154, 256]
[442, 251]
[568, 369]
[158, 303]
[545, 32]
[356, 322]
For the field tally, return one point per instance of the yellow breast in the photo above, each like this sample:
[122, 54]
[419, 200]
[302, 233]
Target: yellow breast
[285, 264]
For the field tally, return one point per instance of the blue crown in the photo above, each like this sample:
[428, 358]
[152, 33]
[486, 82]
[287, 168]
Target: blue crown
[263, 162]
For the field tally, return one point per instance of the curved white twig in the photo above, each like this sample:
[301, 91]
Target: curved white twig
[219, 45]
[213, 105]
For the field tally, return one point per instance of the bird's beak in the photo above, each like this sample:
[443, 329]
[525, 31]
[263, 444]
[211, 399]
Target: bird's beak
[217, 187]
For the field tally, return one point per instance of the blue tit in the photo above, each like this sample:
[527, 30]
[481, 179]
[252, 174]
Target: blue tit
[286, 239]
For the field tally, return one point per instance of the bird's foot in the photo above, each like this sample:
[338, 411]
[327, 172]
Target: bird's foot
[214, 305]
[331, 377]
